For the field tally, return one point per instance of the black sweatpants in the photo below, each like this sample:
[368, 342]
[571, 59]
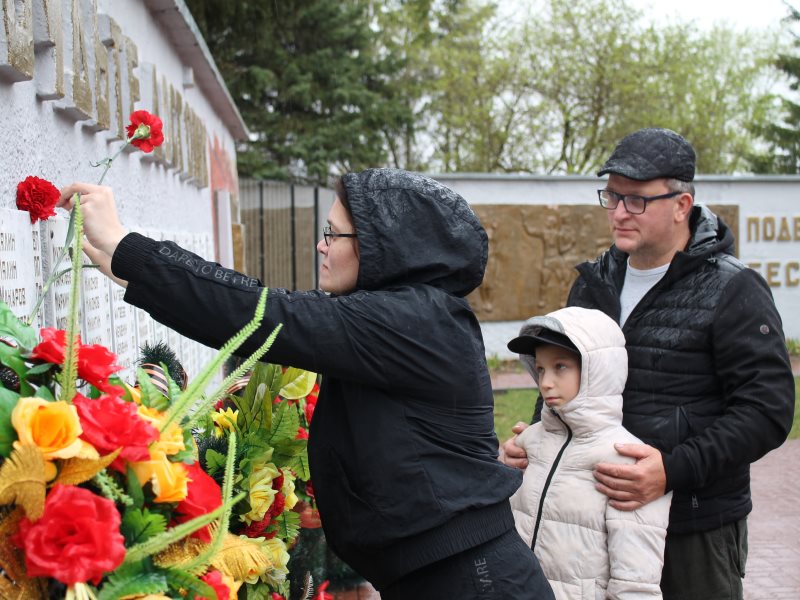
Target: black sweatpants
[504, 568]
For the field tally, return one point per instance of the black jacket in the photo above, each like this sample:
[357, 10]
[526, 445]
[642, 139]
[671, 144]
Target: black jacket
[402, 451]
[709, 379]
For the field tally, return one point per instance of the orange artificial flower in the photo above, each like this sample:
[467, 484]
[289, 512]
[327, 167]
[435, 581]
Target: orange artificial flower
[53, 427]
[169, 480]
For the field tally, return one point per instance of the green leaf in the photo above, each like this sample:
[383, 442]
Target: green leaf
[139, 525]
[285, 423]
[297, 383]
[181, 580]
[299, 464]
[130, 579]
[214, 461]
[135, 491]
[45, 393]
[42, 368]
[8, 400]
[11, 326]
[288, 524]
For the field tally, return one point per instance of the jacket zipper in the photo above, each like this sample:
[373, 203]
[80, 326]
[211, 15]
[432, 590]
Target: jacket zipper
[550, 478]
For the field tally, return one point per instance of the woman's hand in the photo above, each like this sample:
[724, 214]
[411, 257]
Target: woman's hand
[101, 225]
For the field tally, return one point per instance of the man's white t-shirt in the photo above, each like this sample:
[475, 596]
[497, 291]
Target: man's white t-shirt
[637, 283]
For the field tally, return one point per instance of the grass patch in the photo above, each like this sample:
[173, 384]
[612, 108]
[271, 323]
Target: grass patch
[512, 406]
[517, 405]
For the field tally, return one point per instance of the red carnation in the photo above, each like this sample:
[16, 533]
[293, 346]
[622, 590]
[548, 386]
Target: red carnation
[144, 132]
[109, 423]
[214, 579]
[204, 495]
[38, 197]
[76, 540]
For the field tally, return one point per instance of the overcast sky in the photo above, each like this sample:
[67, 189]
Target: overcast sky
[743, 14]
[753, 14]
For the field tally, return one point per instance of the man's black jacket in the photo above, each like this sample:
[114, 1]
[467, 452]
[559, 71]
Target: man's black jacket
[709, 379]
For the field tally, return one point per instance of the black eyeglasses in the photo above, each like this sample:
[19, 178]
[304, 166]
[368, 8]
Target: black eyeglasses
[329, 233]
[633, 204]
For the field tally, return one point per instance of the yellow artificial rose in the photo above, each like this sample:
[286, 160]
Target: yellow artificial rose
[169, 479]
[275, 549]
[261, 492]
[53, 427]
[288, 489]
[224, 419]
[170, 441]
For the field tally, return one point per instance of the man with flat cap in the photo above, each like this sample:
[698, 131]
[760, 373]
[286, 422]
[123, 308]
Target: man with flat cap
[710, 387]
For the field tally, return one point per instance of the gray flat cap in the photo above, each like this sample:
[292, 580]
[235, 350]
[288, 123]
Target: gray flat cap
[652, 154]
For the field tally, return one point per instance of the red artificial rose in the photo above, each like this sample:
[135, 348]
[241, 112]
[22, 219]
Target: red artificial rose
[109, 423]
[95, 362]
[51, 348]
[277, 596]
[149, 127]
[38, 197]
[203, 496]
[76, 540]
[214, 579]
[302, 434]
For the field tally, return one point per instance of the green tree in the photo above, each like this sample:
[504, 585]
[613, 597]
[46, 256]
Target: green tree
[782, 135]
[308, 81]
[598, 72]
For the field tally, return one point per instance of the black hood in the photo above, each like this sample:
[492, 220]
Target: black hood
[413, 230]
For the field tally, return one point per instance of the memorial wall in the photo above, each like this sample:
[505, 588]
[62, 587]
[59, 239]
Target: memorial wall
[540, 227]
[71, 73]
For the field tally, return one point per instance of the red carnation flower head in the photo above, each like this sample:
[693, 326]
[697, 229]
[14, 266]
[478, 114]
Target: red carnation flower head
[203, 496]
[38, 197]
[109, 423]
[145, 131]
[76, 540]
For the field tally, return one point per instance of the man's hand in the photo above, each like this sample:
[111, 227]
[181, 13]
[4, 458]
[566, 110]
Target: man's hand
[511, 454]
[632, 486]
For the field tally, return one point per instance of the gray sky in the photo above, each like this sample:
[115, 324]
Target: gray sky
[753, 14]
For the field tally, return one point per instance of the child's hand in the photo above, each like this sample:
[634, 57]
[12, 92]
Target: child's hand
[632, 486]
[511, 454]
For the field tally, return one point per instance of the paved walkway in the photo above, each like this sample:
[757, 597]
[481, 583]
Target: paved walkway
[773, 564]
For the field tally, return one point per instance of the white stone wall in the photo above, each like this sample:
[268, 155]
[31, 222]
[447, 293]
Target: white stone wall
[71, 72]
[769, 218]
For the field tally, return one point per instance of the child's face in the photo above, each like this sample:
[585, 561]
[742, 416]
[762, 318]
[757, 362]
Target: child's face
[559, 372]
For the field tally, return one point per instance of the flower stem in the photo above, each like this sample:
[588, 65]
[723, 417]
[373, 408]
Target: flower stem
[107, 163]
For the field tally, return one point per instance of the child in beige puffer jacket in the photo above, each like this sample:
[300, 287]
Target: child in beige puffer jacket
[587, 548]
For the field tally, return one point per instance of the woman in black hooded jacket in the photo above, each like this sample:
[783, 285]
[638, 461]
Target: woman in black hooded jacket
[402, 450]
